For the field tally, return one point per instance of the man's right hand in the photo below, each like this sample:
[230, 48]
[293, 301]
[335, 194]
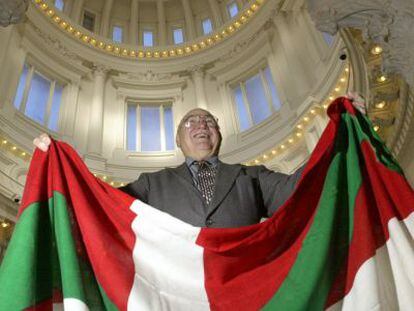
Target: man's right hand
[42, 142]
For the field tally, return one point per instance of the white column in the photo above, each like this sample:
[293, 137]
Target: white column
[198, 78]
[67, 7]
[216, 13]
[311, 139]
[314, 132]
[133, 23]
[96, 112]
[106, 16]
[162, 30]
[76, 13]
[121, 121]
[189, 20]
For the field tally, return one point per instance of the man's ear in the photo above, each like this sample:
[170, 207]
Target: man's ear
[177, 140]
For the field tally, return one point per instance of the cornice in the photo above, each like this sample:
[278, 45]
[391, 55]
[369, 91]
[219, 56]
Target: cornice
[149, 80]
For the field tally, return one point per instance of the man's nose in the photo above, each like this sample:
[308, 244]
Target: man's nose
[202, 123]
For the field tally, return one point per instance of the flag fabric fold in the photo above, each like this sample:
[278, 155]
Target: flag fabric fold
[342, 241]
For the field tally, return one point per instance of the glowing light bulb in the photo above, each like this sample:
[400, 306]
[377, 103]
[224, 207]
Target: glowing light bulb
[376, 50]
[380, 105]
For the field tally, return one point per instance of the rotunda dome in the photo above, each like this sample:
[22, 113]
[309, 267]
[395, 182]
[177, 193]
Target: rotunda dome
[151, 23]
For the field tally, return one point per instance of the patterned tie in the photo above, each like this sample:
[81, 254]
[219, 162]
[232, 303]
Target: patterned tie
[206, 176]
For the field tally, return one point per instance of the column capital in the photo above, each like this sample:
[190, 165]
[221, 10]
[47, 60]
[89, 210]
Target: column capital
[197, 70]
[99, 69]
[12, 11]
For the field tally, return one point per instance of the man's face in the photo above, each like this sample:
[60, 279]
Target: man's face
[199, 135]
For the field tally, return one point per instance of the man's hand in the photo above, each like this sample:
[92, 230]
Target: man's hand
[42, 142]
[357, 101]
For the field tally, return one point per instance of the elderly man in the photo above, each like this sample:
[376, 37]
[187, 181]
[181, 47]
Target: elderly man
[205, 192]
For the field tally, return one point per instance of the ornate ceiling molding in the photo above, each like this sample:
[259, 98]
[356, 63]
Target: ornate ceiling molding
[12, 11]
[389, 23]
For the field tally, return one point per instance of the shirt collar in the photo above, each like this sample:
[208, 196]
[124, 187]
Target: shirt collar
[212, 161]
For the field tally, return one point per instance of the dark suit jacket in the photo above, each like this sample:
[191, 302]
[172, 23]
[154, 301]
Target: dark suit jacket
[243, 194]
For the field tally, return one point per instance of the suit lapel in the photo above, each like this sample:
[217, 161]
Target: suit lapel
[183, 172]
[226, 176]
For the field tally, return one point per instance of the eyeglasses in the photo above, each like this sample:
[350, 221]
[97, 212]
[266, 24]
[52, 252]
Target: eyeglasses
[195, 121]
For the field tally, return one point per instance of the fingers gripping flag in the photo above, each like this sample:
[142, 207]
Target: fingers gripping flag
[342, 241]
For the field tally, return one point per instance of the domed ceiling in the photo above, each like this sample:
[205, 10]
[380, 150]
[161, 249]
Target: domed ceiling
[155, 28]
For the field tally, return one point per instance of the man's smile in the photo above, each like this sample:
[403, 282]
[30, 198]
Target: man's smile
[202, 135]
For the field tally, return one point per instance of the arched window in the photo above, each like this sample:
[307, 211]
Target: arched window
[150, 127]
[59, 4]
[232, 9]
[207, 26]
[148, 38]
[178, 36]
[39, 97]
[256, 98]
[117, 34]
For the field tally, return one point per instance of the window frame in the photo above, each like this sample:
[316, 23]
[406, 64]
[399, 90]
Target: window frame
[32, 70]
[177, 27]
[154, 36]
[116, 25]
[63, 5]
[202, 26]
[91, 14]
[139, 103]
[247, 105]
[228, 4]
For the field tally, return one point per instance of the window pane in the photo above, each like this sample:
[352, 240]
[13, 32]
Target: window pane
[207, 26]
[20, 88]
[150, 129]
[132, 128]
[117, 34]
[54, 112]
[243, 114]
[232, 9]
[147, 38]
[328, 38]
[88, 21]
[59, 4]
[169, 128]
[37, 99]
[178, 36]
[273, 91]
[257, 99]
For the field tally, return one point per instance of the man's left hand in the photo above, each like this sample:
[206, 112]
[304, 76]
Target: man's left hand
[358, 101]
